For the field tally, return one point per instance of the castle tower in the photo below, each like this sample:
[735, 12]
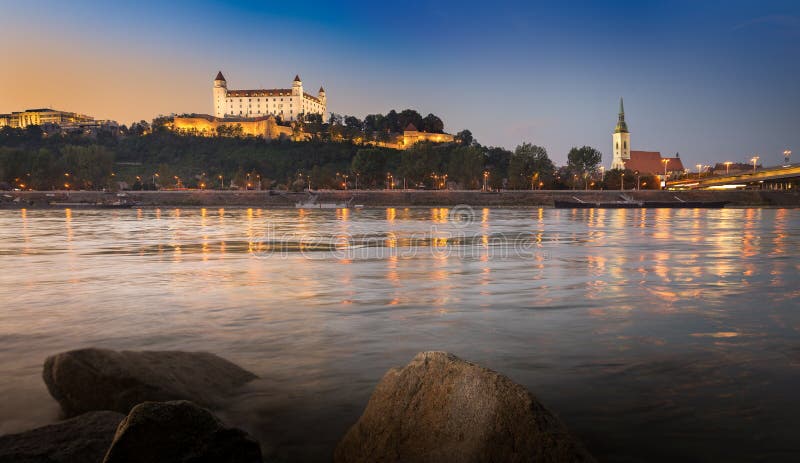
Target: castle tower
[297, 86]
[220, 93]
[621, 141]
[322, 97]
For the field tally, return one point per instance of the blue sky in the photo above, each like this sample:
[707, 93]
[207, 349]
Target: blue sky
[713, 80]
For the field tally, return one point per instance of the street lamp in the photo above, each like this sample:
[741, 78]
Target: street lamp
[485, 179]
[727, 167]
[786, 155]
[221, 182]
[754, 160]
[665, 161]
[154, 180]
[621, 181]
[699, 167]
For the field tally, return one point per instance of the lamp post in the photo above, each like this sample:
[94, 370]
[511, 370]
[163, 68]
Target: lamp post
[636, 173]
[786, 155]
[621, 181]
[699, 167]
[754, 160]
[485, 179]
[154, 181]
[221, 182]
[727, 167]
[602, 176]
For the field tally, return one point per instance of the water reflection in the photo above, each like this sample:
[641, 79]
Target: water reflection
[641, 327]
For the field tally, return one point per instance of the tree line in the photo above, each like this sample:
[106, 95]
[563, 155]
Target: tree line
[149, 157]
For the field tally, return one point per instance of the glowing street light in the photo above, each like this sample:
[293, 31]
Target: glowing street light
[622, 181]
[727, 167]
[754, 160]
[485, 179]
[665, 161]
[699, 169]
[786, 155]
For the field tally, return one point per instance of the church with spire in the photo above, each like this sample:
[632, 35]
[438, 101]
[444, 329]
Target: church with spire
[284, 103]
[621, 140]
[643, 162]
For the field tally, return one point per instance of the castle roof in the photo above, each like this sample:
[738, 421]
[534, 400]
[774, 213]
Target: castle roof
[311, 97]
[219, 76]
[651, 162]
[411, 128]
[321, 90]
[297, 78]
[261, 92]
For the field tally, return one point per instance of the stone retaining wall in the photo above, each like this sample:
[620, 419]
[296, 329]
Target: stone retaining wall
[444, 198]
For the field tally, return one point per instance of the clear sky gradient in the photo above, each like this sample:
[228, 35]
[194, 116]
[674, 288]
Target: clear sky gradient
[713, 80]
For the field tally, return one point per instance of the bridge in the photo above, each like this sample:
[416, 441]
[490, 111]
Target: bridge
[769, 178]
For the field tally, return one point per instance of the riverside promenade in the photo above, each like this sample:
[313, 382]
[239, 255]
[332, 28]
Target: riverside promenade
[384, 198]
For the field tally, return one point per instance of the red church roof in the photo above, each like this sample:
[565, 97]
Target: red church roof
[651, 162]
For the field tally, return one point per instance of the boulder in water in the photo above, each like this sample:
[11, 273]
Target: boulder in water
[98, 379]
[83, 439]
[177, 432]
[441, 408]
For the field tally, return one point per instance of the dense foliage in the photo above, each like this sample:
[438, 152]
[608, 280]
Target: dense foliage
[150, 156]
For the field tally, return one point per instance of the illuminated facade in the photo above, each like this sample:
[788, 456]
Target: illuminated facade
[209, 126]
[42, 116]
[621, 141]
[286, 103]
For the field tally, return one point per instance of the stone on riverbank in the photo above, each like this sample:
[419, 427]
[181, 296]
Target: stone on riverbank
[83, 439]
[98, 379]
[179, 431]
[441, 408]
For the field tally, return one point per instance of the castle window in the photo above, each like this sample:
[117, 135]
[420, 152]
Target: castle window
[625, 145]
[617, 145]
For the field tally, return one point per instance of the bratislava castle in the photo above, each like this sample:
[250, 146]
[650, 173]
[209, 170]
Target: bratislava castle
[287, 103]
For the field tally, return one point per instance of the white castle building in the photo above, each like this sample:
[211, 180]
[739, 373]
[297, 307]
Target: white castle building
[288, 103]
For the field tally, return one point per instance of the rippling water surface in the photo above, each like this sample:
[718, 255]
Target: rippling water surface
[657, 335]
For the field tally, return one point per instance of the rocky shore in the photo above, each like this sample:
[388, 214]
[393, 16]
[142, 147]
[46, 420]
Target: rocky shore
[382, 198]
[125, 407]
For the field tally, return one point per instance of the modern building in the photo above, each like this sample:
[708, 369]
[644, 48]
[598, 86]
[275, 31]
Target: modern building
[644, 162]
[286, 103]
[41, 116]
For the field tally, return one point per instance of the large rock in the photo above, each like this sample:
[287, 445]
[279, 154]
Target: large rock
[177, 432]
[83, 439]
[441, 408]
[97, 379]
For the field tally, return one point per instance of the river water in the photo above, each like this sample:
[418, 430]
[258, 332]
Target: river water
[656, 335]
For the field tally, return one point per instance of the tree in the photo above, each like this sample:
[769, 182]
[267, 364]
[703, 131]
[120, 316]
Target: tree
[370, 166]
[464, 138]
[529, 166]
[353, 122]
[466, 166]
[419, 163]
[584, 160]
[432, 124]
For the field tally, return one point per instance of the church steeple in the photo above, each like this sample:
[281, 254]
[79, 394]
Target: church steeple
[622, 127]
[621, 141]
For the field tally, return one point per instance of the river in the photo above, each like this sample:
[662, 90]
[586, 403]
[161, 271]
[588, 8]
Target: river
[656, 335]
